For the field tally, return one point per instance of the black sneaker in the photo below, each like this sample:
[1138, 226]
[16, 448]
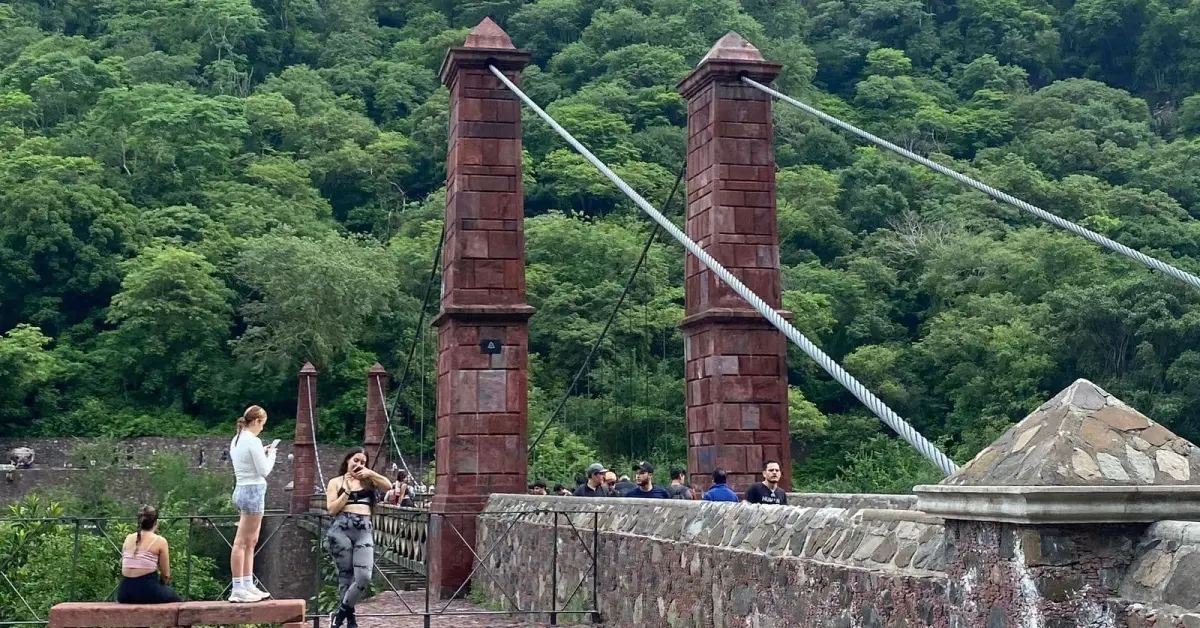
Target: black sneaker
[339, 617]
[351, 620]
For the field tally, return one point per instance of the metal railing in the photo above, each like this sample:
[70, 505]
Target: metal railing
[402, 537]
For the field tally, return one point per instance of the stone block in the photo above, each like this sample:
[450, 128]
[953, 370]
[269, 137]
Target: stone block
[106, 614]
[225, 613]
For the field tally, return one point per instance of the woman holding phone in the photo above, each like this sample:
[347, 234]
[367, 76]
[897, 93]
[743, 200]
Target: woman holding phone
[252, 463]
[349, 498]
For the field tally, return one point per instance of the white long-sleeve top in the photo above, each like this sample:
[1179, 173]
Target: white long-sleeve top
[251, 464]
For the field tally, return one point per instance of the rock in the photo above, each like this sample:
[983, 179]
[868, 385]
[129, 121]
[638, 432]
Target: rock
[1153, 569]
[997, 618]
[1110, 466]
[1181, 447]
[1183, 589]
[1190, 620]
[1084, 466]
[1139, 443]
[885, 551]
[1143, 468]
[1122, 419]
[741, 601]
[1025, 437]
[1156, 435]
[905, 555]
[1173, 465]
[868, 547]
[1059, 588]
[1098, 435]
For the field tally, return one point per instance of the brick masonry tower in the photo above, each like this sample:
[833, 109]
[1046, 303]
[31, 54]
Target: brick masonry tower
[736, 361]
[373, 433]
[304, 462]
[483, 324]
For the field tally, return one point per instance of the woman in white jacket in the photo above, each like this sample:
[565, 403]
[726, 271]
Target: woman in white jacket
[252, 463]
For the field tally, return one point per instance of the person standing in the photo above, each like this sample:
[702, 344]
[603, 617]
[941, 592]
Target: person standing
[252, 463]
[719, 491]
[143, 556]
[679, 488]
[349, 498]
[768, 491]
[645, 488]
[594, 486]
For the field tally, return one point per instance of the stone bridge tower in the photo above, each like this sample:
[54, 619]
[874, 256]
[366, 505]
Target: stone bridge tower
[736, 361]
[483, 324]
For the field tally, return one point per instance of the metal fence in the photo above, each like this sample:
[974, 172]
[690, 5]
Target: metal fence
[402, 551]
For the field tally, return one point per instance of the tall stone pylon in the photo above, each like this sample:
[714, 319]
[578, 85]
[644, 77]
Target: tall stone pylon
[483, 333]
[304, 455]
[736, 361]
[374, 438]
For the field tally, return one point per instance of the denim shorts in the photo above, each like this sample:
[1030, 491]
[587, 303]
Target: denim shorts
[250, 499]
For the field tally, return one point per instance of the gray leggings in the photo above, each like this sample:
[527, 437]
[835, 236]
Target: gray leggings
[352, 547]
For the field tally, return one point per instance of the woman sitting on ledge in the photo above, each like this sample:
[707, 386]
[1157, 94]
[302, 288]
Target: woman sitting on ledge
[143, 555]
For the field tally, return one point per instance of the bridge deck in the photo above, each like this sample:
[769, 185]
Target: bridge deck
[388, 603]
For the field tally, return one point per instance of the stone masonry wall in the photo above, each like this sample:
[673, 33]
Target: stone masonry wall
[1164, 578]
[696, 563]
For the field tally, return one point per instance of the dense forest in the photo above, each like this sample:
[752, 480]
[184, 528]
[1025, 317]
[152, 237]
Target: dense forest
[197, 196]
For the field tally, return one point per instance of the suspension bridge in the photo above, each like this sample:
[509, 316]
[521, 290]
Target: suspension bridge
[1078, 516]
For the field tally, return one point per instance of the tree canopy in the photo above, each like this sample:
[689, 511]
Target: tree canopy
[198, 197]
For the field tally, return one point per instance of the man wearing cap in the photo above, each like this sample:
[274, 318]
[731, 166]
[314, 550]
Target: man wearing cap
[594, 487]
[645, 483]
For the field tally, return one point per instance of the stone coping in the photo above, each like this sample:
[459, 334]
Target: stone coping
[1060, 504]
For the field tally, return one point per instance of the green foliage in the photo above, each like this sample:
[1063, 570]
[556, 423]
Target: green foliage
[197, 197]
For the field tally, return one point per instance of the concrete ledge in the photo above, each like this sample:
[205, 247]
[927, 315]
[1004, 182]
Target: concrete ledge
[1060, 504]
[113, 615]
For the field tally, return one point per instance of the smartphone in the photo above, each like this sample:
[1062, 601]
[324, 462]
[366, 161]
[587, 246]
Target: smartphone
[274, 444]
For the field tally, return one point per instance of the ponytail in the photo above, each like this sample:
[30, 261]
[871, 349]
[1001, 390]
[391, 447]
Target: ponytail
[147, 518]
[252, 414]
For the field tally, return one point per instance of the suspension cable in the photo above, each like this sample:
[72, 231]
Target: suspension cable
[886, 414]
[611, 317]
[312, 424]
[1063, 223]
[382, 402]
[388, 413]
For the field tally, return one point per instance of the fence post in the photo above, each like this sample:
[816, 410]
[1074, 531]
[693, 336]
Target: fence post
[75, 562]
[187, 582]
[428, 580]
[596, 567]
[554, 577]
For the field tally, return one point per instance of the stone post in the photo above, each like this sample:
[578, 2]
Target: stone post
[736, 361]
[304, 462]
[374, 437]
[483, 323]
[1042, 526]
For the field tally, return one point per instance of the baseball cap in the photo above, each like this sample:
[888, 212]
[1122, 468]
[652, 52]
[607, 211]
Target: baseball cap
[644, 467]
[595, 468]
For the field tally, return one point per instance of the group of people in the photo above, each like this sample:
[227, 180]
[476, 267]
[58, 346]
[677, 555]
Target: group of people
[349, 497]
[146, 556]
[600, 482]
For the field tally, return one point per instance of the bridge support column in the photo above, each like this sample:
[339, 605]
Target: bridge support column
[304, 457]
[374, 438]
[736, 364]
[483, 324]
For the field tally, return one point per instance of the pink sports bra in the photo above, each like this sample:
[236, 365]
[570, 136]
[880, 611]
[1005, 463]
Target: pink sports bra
[145, 559]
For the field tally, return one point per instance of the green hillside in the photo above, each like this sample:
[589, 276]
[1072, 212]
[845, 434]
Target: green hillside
[197, 196]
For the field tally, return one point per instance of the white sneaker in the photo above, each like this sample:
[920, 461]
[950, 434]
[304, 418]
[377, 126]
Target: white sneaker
[243, 596]
[257, 592]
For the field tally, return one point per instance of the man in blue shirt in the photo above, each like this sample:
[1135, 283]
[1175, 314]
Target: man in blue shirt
[645, 483]
[719, 492]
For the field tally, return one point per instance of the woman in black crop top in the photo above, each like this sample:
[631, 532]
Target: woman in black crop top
[349, 497]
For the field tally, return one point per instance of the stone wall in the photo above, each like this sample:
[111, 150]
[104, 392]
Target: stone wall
[1165, 576]
[695, 563]
[125, 481]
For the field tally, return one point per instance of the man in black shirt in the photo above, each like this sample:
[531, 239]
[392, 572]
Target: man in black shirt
[679, 488]
[768, 491]
[645, 483]
[594, 487]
